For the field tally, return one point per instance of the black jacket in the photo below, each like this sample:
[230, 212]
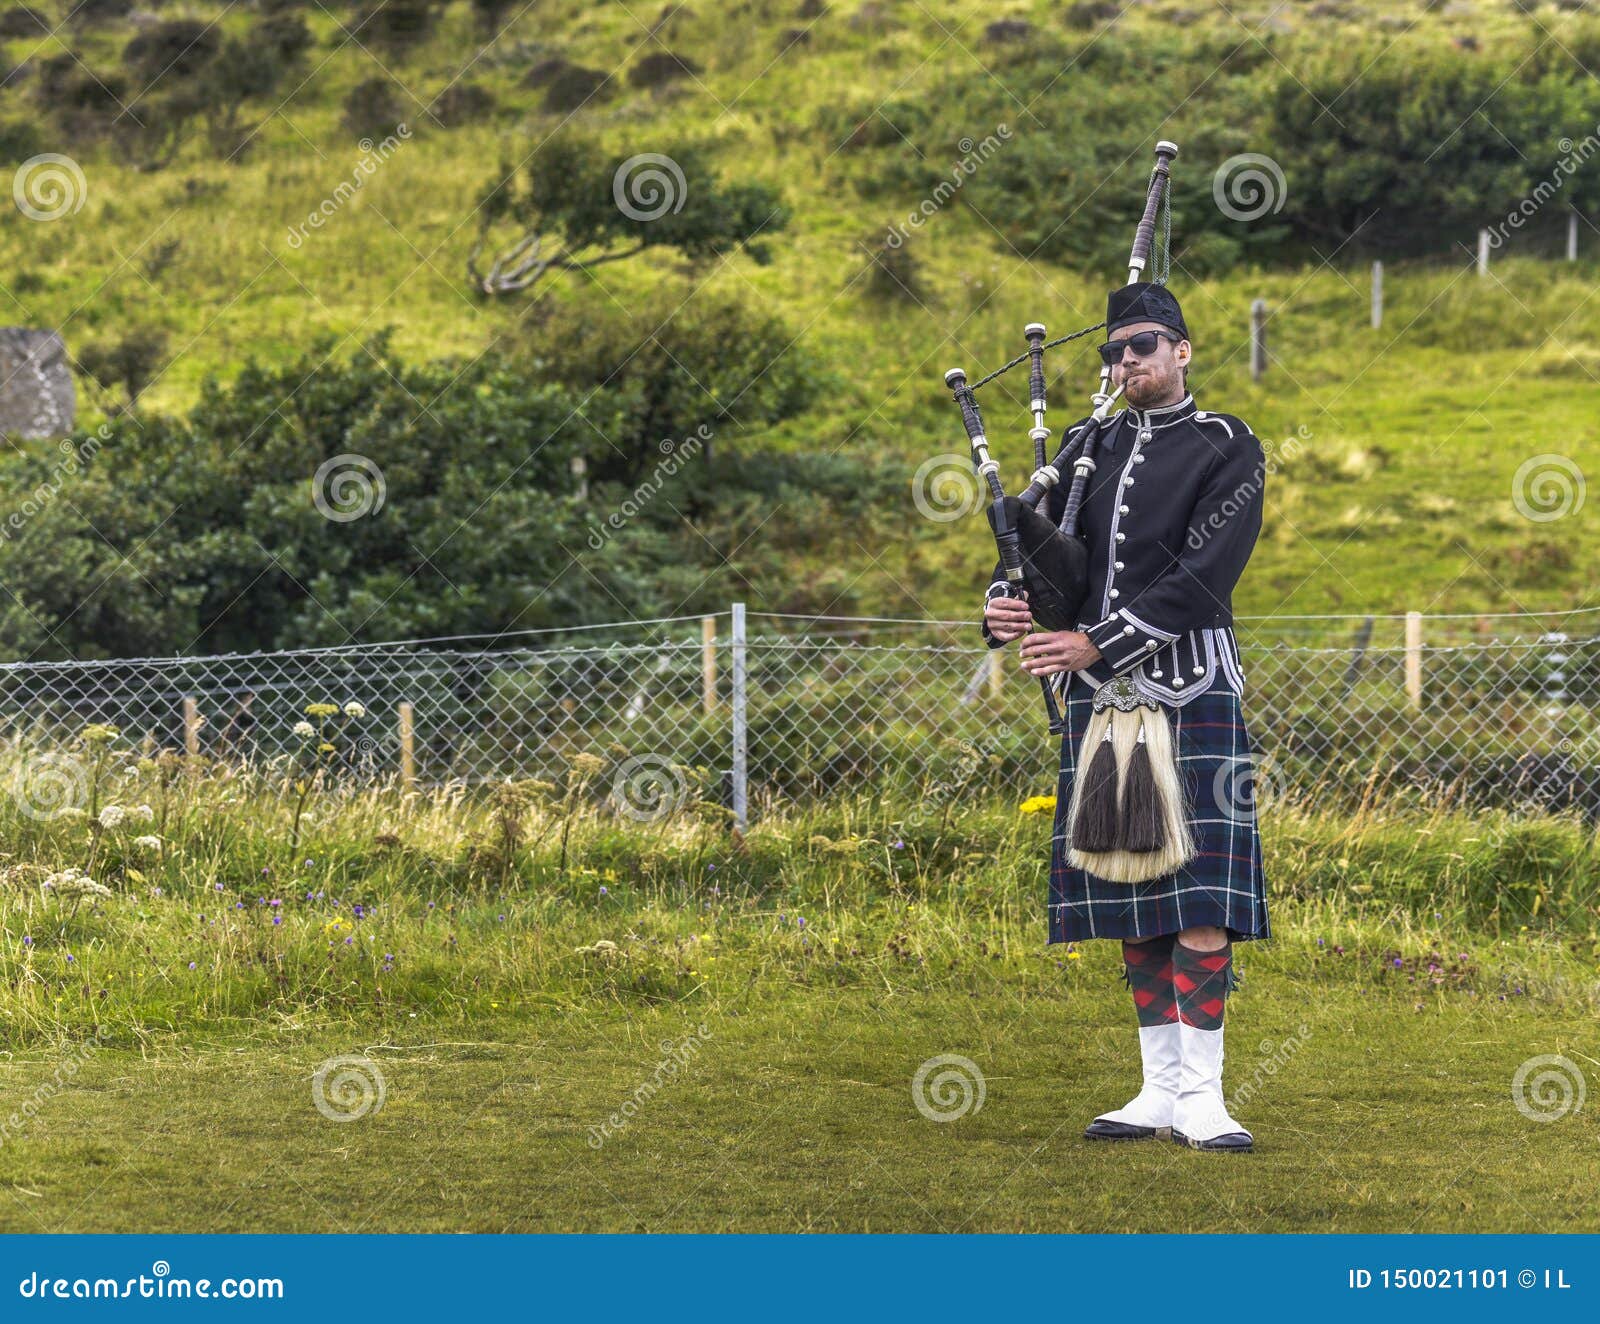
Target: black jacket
[1171, 516]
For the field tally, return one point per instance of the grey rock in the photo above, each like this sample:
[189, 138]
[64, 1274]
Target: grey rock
[37, 398]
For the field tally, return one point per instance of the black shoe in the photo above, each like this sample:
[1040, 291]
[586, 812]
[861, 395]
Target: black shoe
[1100, 1129]
[1235, 1140]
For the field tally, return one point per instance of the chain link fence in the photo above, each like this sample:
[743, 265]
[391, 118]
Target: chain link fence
[766, 707]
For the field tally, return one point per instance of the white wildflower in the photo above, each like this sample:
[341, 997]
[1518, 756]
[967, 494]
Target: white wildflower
[75, 883]
[304, 730]
[354, 709]
[142, 814]
[112, 816]
[147, 843]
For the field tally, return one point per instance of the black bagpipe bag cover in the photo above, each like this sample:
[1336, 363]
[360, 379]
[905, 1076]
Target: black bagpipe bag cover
[1055, 567]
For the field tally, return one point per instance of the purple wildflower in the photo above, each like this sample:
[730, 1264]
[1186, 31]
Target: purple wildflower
[801, 921]
[277, 919]
[603, 891]
[70, 957]
[358, 912]
[27, 941]
[191, 965]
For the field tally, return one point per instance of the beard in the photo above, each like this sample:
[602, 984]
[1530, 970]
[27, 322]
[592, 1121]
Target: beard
[1149, 387]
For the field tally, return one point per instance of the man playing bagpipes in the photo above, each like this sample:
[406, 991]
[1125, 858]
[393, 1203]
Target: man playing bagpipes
[1155, 838]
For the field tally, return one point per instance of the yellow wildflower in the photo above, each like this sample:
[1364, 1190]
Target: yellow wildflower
[1038, 804]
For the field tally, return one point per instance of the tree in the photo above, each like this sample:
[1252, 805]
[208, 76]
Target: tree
[574, 207]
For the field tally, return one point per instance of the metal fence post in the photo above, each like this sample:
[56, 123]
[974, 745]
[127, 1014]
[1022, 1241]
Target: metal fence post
[1414, 658]
[741, 769]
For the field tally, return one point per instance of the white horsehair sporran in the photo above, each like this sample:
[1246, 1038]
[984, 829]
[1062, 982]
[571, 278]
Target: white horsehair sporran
[1128, 821]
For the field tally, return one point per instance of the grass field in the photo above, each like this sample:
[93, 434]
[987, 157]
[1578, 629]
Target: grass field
[368, 1009]
[797, 1113]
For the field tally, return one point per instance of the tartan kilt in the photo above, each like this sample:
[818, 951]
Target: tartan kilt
[1224, 884]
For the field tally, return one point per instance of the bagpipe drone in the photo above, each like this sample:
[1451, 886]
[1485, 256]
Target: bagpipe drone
[1126, 821]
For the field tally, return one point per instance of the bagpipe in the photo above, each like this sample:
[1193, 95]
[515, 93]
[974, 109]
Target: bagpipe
[1126, 819]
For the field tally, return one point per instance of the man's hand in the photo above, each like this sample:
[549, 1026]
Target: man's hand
[1008, 618]
[1065, 650]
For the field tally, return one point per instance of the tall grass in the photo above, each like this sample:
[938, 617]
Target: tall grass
[184, 902]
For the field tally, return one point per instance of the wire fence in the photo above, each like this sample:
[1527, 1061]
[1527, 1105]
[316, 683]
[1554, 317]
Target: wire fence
[748, 709]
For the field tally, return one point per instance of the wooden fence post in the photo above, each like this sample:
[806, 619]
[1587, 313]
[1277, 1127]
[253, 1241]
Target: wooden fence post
[1483, 252]
[996, 671]
[408, 746]
[191, 726]
[708, 663]
[1572, 235]
[1377, 295]
[1414, 658]
[1258, 339]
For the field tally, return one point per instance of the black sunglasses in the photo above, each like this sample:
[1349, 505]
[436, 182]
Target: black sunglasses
[1144, 344]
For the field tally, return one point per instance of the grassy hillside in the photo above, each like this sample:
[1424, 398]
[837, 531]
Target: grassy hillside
[1396, 494]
